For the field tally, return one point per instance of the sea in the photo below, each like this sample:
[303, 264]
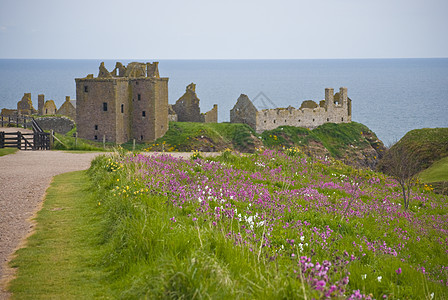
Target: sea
[390, 96]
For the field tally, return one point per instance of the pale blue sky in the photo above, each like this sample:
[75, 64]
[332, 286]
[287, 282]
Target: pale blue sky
[207, 29]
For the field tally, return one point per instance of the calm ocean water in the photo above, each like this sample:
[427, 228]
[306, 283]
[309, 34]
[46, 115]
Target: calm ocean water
[390, 96]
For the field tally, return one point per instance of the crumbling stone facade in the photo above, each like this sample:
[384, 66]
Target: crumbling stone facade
[187, 108]
[68, 108]
[336, 108]
[128, 103]
[25, 106]
[49, 108]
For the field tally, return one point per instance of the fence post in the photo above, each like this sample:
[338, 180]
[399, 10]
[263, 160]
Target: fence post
[2, 139]
[104, 142]
[76, 140]
[133, 144]
[19, 140]
[51, 138]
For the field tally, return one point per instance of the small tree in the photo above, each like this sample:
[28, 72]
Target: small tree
[402, 164]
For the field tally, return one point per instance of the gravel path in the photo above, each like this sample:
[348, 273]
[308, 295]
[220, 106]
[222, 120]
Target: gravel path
[24, 178]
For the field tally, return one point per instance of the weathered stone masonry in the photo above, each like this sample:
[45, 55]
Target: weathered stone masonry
[128, 103]
[186, 108]
[336, 108]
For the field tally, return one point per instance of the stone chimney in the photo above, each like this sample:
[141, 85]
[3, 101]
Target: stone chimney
[40, 104]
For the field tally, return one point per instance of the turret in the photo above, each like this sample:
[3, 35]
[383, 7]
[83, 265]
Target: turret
[343, 97]
[40, 104]
[329, 98]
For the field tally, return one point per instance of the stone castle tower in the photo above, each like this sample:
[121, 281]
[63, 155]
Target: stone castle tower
[128, 103]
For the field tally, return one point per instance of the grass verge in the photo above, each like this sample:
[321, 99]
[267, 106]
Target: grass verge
[61, 259]
[6, 151]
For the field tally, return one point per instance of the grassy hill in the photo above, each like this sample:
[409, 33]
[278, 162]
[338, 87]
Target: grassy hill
[205, 137]
[352, 143]
[428, 144]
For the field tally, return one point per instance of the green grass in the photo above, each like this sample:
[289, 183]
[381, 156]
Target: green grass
[336, 138]
[207, 137]
[6, 151]
[70, 143]
[429, 144]
[62, 258]
[436, 172]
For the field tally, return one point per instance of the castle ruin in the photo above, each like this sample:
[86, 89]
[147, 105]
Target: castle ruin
[336, 108]
[186, 108]
[131, 102]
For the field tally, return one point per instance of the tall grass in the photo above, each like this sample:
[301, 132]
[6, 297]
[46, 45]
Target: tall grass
[251, 226]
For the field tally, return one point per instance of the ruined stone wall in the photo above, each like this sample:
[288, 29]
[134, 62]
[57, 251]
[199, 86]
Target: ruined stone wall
[49, 108]
[332, 112]
[93, 96]
[187, 106]
[172, 116]
[212, 115]
[40, 104]
[67, 109]
[60, 125]
[25, 105]
[122, 119]
[244, 112]
[142, 96]
[161, 107]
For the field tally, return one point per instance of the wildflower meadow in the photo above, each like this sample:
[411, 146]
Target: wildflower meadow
[268, 225]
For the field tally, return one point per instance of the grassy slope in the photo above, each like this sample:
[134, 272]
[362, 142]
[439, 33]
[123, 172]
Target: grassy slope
[429, 144]
[342, 141]
[438, 171]
[189, 136]
[61, 259]
[336, 138]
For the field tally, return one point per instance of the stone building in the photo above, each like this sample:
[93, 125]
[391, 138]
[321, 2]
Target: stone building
[128, 103]
[25, 105]
[49, 108]
[68, 108]
[336, 108]
[187, 108]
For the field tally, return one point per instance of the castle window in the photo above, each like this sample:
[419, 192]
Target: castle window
[299, 120]
[265, 121]
[141, 137]
[342, 119]
[143, 113]
[96, 137]
[274, 121]
[104, 106]
[139, 97]
[328, 119]
[122, 108]
[313, 120]
[285, 121]
[86, 89]
[96, 127]
[46, 110]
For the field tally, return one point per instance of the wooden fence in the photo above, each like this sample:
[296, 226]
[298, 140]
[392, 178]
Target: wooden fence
[16, 121]
[25, 141]
[38, 140]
